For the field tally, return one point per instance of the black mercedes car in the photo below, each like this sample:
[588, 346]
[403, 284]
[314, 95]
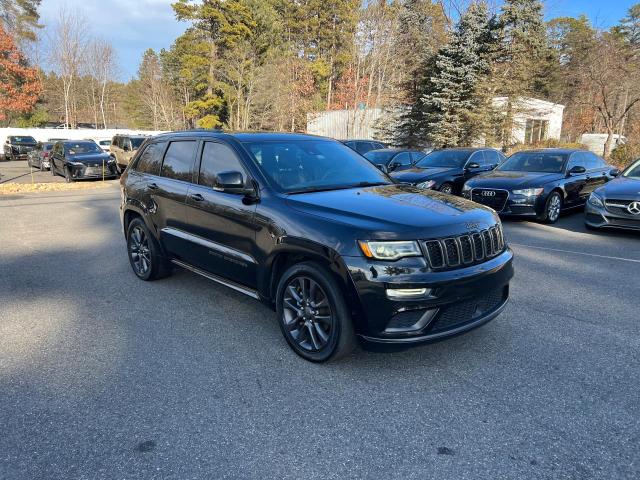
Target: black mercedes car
[540, 183]
[393, 159]
[82, 159]
[447, 170]
[315, 231]
[17, 147]
[616, 204]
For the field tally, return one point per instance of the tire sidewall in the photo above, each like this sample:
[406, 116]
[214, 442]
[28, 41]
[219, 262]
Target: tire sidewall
[444, 185]
[548, 204]
[336, 303]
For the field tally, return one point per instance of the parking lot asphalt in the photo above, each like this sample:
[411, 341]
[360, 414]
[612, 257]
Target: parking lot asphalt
[103, 376]
[18, 171]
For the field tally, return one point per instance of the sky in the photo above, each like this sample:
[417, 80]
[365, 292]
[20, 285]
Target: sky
[132, 26]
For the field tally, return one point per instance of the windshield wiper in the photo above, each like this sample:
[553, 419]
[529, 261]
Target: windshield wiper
[337, 187]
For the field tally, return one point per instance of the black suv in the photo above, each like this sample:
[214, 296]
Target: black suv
[17, 147]
[311, 228]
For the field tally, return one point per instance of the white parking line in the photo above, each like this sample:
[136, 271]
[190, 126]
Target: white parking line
[577, 253]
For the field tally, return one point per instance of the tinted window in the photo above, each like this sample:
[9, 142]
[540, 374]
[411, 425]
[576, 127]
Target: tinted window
[403, 158]
[178, 160]
[415, 156]
[477, 157]
[136, 142]
[595, 161]
[217, 158]
[577, 160]
[379, 156]
[492, 157]
[633, 171]
[80, 148]
[445, 158]
[22, 140]
[149, 161]
[306, 165]
[548, 162]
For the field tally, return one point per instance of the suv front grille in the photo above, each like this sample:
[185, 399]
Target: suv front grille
[496, 199]
[464, 250]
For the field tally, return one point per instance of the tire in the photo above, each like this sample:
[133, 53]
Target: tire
[67, 176]
[145, 255]
[306, 293]
[29, 162]
[552, 208]
[446, 188]
[53, 169]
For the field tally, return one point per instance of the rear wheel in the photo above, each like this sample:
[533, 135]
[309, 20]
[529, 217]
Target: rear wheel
[313, 314]
[144, 252]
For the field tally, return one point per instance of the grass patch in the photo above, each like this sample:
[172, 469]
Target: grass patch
[13, 188]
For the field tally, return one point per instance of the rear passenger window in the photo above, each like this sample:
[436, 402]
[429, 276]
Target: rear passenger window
[217, 158]
[149, 161]
[178, 160]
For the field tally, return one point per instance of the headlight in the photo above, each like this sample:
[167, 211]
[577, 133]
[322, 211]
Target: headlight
[389, 250]
[426, 185]
[466, 188]
[595, 200]
[529, 192]
[111, 160]
[77, 164]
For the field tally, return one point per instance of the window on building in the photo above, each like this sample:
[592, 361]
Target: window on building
[536, 130]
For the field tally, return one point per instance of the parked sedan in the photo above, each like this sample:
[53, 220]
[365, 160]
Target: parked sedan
[616, 204]
[364, 146]
[447, 170]
[39, 157]
[82, 159]
[540, 183]
[17, 147]
[393, 159]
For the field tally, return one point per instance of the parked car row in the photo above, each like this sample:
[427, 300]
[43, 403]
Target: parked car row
[81, 159]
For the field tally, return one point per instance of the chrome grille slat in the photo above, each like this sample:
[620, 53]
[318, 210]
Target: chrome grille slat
[463, 250]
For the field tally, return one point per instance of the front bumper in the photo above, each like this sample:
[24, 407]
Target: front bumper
[457, 300]
[517, 205]
[601, 217]
[79, 172]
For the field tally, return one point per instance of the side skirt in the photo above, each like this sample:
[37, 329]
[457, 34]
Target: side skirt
[238, 288]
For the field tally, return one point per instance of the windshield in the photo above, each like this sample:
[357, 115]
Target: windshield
[81, 148]
[546, 162]
[22, 140]
[105, 143]
[445, 158]
[308, 165]
[633, 171]
[376, 156]
[136, 142]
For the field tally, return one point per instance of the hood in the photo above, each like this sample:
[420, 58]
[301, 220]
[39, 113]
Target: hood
[416, 174]
[511, 180]
[91, 159]
[396, 211]
[621, 188]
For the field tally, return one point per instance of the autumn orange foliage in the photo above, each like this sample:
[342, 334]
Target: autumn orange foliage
[20, 86]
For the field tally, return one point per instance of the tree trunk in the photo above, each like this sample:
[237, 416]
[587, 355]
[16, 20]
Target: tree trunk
[607, 143]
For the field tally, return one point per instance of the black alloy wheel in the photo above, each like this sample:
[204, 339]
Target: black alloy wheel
[67, 175]
[447, 188]
[313, 315]
[144, 252]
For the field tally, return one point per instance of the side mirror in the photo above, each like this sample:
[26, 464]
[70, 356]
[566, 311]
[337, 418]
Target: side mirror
[381, 167]
[126, 148]
[232, 182]
[473, 166]
[7, 142]
[393, 166]
[577, 170]
[614, 172]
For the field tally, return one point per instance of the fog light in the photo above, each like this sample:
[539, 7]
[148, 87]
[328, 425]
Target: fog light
[407, 293]
[411, 321]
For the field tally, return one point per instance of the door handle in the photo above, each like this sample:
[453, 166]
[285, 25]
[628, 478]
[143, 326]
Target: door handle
[153, 186]
[197, 197]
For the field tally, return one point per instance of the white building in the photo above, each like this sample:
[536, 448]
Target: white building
[595, 142]
[534, 120]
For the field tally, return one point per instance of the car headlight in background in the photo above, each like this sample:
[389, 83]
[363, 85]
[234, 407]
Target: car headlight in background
[529, 192]
[595, 200]
[426, 185]
[389, 250]
[77, 164]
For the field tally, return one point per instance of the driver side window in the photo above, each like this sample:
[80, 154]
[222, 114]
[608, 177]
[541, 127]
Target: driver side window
[217, 158]
[576, 160]
[403, 159]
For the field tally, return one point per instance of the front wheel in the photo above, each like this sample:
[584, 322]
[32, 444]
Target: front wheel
[313, 315]
[67, 176]
[446, 188]
[552, 208]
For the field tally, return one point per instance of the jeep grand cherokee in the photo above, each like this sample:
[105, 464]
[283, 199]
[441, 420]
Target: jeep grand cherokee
[311, 228]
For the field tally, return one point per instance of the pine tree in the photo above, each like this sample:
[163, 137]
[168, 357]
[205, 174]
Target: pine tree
[453, 101]
[20, 18]
[422, 31]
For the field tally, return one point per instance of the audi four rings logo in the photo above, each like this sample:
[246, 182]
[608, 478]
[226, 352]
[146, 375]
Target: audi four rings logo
[634, 208]
[488, 193]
